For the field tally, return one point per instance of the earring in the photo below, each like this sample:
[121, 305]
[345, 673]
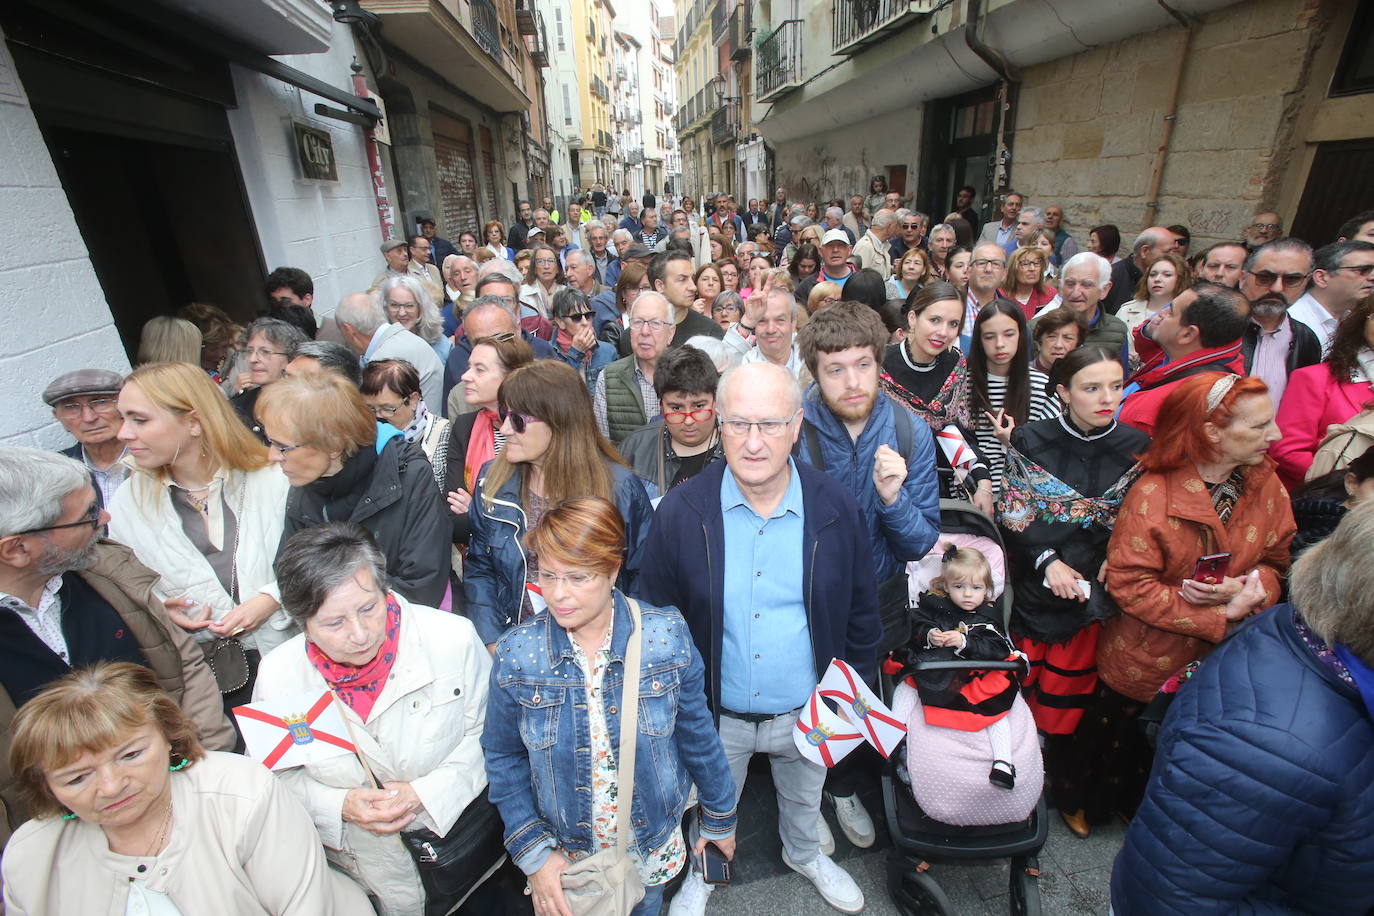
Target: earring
[174, 767]
[69, 816]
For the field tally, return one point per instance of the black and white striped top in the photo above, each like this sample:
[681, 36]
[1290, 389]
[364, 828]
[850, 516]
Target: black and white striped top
[1043, 406]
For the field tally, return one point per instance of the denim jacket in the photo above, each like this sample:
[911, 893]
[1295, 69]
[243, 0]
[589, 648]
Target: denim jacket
[537, 737]
[494, 573]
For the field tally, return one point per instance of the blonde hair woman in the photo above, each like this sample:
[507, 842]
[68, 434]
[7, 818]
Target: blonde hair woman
[204, 511]
[165, 339]
[132, 815]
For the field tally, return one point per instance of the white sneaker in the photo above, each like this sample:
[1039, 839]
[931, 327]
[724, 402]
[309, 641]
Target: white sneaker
[691, 897]
[855, 823]
[832, 882]
[826, 837]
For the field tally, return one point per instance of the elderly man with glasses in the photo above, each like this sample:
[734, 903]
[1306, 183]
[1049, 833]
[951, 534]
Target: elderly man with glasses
[1342, 278]
[623, 398]
[911, 233]
[85, 403]
[770, 563]
[69, 599]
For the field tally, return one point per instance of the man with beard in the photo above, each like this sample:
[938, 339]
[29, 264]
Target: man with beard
[69, 598]
[1276, 273]
[857, 438]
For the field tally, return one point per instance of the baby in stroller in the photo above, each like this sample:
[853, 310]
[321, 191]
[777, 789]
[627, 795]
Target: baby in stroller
[958, 620]
[972, 754]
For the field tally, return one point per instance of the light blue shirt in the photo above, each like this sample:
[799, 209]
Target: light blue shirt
[766, 663]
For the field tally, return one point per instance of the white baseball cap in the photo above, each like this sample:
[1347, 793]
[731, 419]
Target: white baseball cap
[835, 235]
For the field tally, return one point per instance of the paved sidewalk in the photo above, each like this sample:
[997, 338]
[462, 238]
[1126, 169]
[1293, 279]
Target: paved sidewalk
[1074, 879]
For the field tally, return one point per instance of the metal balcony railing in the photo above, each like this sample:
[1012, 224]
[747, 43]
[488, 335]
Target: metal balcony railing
[738, 37]
[725, 124]
[778, 64]
[539, 47]
[859, 23]
[486, 27]
[720, 18]
[634, 157]
[526, 22]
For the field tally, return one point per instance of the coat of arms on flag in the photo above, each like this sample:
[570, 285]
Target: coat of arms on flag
[826, 737]
[291, 731]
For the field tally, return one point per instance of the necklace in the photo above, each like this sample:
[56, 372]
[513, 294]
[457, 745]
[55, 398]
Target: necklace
[199, 503]
[162, 832]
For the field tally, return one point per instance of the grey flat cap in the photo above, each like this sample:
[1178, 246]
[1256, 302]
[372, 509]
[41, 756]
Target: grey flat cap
[82, 381]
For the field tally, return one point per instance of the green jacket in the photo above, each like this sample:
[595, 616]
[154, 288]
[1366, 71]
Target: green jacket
[624, 403]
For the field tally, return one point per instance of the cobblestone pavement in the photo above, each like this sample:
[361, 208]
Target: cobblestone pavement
[1074, 880]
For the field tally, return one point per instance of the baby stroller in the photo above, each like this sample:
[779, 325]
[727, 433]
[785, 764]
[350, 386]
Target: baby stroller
[919, 838]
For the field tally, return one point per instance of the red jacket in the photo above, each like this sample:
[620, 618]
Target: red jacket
[1155, 381]
[1165, 524]
[1312, 401]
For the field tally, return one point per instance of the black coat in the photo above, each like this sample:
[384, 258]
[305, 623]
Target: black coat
[397, 501]
[459, 435]
[1090, 466]
[945, 690]
[1304, 349]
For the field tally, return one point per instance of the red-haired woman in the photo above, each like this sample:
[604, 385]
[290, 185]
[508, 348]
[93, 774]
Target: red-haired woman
[1330, 392]
[1208, 490]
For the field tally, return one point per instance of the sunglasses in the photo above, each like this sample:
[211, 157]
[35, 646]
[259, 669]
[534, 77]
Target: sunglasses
[519, 422]
[580, 316]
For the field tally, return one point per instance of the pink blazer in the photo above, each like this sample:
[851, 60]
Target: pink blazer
[1312, 401]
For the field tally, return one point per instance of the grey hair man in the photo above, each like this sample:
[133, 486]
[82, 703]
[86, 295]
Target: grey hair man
[325, 355]
[623, 398]
[73, 599]
[1084, 283]
[743, 529]
[834, 219]
[492, 313]
[1029, 220]
[1127, 272]
[872, 249]
[772, 316]
[364, 328]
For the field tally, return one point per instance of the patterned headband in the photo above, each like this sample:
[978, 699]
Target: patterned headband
[1219, 389]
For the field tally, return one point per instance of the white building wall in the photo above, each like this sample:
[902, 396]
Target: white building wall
[565, 120]
[328, 229]
[56, 315]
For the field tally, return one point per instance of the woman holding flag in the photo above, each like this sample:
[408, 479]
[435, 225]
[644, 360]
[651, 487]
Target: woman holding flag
[410, 685]
[132, 815]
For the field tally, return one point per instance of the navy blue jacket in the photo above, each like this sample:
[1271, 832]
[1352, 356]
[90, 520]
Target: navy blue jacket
[906, 529]
[684, 567]
[494, 572]
[1260, 799]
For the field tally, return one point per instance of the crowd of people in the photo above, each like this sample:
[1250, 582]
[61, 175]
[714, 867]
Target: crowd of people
[570, 517]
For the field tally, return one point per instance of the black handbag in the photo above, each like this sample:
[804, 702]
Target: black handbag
[452, 866]
[894, 609]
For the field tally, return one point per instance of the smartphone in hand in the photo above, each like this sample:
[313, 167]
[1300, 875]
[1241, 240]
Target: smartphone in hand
[713, 866]
[1211, 569]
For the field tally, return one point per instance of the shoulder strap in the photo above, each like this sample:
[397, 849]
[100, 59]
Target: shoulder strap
[629, 728]
[813, 444]
[906, 432]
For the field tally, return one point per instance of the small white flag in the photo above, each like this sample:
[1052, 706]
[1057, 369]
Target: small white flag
[821, 735]
[293, 731]
[879, 726]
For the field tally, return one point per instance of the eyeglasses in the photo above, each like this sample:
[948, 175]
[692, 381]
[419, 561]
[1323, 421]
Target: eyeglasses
[404, 306]
[519, 422]
[73, 410]
[90, 520]
[1363, 270]
[283, 449]
[653, 324]
[545, 262]
[911, 225]
[770, 428]
[262, 353]
[1264, 227]
[385, 411]
[988, 264]
[574, 580]
[580, 316]
[678, 417]
[1268, 277]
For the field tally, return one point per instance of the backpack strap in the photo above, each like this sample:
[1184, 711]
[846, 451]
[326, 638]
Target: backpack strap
[813, 444]
[906, 432]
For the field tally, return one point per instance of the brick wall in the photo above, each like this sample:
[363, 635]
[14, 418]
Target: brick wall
[1088, 125]
[55, 315]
